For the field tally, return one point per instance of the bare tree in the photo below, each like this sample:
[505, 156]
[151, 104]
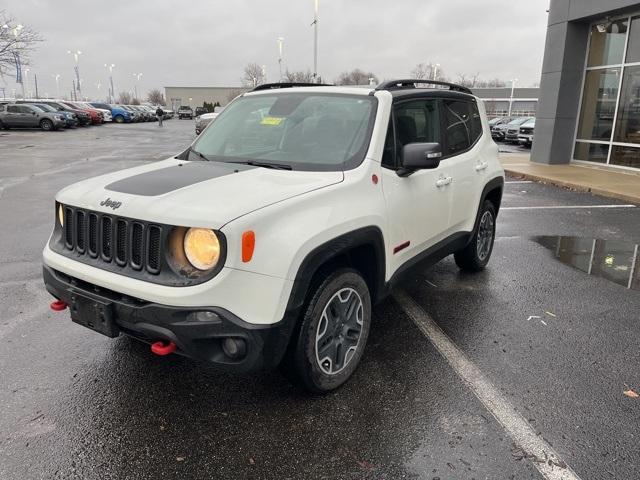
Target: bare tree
[155, 97]
[15, 39]
[421, 71]
[356, 77]
[135, 101]
[299, 76]
[124, 98]
[253, 75]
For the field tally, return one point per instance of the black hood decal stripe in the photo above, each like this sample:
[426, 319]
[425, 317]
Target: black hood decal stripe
[165, 180]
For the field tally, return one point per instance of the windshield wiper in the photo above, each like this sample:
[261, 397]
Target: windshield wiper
[201, 155]
[275, 166]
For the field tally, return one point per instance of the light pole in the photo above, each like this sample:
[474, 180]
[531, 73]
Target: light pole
[26, 79]
[112, 94]
[513, 87]
[135, 87]
[76, 55]
[280, 44]
[434, 71]
[98, 84]
[315, 40]
[57, 77]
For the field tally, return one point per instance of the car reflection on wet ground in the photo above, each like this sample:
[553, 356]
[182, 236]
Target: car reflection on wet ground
[553, 343]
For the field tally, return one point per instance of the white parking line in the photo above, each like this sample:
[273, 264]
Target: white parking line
[567, 207]
[518, 182]
[544, 458]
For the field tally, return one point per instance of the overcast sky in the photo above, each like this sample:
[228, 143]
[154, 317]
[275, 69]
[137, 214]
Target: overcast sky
[207, 43]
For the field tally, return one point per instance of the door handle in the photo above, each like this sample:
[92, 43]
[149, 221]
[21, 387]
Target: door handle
[482, 166]
[443, 181]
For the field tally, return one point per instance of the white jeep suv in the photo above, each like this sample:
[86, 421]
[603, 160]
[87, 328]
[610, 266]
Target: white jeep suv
[269, 239]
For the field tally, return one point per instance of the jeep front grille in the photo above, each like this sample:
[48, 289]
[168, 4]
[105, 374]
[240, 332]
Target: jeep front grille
[111, 239]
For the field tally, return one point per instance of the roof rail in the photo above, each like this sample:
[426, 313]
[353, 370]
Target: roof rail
[400, 84]
[275, 86]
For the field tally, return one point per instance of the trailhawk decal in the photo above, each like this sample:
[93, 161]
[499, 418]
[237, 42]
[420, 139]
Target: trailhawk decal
[165, 180]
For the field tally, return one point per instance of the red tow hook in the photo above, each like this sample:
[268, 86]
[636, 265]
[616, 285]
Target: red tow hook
[58, 306]
[159, 348]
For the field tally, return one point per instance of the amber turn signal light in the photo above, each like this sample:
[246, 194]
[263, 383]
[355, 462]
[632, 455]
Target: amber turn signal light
[248, 245]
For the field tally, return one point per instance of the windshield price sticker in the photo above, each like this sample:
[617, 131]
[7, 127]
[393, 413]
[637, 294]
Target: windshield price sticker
[273, 121]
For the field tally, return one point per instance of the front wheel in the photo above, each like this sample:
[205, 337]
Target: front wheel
[46, 125]
[475, 256]
[333, 333]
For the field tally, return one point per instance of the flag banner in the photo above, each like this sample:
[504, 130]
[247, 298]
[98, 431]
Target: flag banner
[18, 67]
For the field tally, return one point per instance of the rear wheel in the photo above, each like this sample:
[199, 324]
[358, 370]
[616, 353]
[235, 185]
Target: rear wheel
[119, 119]
[475, 256]
[46, 124]
[333, 333]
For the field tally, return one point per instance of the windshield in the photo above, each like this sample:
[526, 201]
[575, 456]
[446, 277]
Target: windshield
[519, 121]
[45, 108]
[301, 131]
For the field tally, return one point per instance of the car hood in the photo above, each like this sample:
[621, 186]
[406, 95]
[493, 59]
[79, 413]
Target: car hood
[195, 194]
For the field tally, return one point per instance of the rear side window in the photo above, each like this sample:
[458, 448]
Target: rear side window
[458, 125]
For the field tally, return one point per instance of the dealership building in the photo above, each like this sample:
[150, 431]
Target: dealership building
[589, 101]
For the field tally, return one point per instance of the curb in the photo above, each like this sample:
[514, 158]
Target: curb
[574, 186]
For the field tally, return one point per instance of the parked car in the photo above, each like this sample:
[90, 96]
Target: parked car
[267, 242]
[95, 115]
[106, 112]
[513, 129]
[151, 112]
[70, 119]
[527, 129]
[118, 114]
[14, 115]
[185, 111]
[84, 119]
[136, 116]
[147, 116]
[206, 118]
[499, 128]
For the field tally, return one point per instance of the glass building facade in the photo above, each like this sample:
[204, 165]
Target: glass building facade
[608, 128]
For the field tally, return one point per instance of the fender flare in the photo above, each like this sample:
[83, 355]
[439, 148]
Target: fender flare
[366, 236]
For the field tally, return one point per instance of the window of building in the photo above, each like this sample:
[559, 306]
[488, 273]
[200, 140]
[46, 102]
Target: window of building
[607, 43]
[628, 121]
[609, 121]
[633, 49]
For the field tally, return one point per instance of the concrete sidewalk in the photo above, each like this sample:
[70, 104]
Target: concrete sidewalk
[600, 181]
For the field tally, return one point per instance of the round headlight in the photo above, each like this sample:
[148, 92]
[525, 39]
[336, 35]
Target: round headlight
[202, 248]
[61, 215]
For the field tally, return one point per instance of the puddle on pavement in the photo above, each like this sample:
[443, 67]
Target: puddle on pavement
[616, 261]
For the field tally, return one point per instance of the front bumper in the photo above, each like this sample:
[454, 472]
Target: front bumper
[525, 139]
[198, 332]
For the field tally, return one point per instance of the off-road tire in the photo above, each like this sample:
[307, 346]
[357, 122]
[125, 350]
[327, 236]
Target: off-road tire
[475, 256]
[301, 363]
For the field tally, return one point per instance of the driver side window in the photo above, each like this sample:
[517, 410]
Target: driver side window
[416, 121]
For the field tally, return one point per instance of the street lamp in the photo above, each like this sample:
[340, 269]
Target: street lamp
[135, 87]
[57, 77]
[315, 40]
[434, 70]
[26, 78]
[513, 86]
[280, 44]
[76, 55]
[112, 94]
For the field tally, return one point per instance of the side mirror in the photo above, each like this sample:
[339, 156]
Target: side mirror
[419, 156]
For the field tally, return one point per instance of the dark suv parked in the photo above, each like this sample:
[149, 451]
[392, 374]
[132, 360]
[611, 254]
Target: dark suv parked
[83, 117]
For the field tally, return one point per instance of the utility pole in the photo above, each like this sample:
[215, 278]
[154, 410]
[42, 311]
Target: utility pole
[57, 77]
[76, 55]
[513, 87]
[135, 87]
[315, 40]
[35, 79]
[280, 42]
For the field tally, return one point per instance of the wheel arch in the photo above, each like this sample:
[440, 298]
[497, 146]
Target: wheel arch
[361, 249]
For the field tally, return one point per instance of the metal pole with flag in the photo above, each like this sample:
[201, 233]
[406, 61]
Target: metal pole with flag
[16, 56]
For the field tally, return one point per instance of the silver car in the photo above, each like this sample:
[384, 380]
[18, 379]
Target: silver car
[29, 116]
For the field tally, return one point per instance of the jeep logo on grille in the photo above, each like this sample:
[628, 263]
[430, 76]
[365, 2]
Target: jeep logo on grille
[110, 203]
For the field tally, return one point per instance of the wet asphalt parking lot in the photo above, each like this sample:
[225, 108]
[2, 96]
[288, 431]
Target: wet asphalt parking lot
[464, 377]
